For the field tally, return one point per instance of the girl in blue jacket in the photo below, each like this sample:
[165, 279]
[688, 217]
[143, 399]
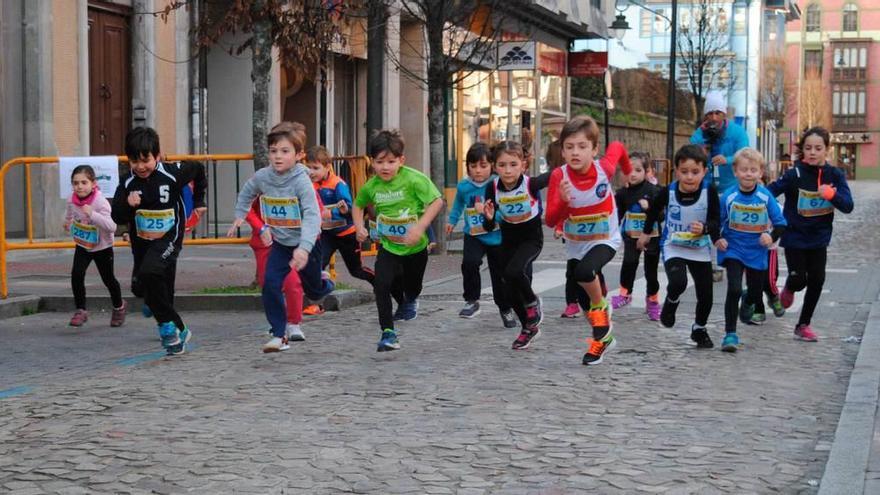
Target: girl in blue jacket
[813, 190]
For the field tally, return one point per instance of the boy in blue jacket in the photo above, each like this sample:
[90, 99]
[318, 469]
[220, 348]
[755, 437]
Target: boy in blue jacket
[813, 190]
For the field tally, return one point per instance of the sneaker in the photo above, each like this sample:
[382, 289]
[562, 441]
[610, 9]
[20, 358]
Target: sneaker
[571, 311]
[717, 275]
[534, 315]
[618, 302]
[730, 342]
[117, 318]
[79, 317]
[388, 341]
[407, 311]
[600, 319]
[746, 311]
[701, 337]
[786, 298]
[778, 309]
[313, 310]
[169, 333]
[805, 333]
[146, 311]
[525, 339]
[176, 350]
[758, 319]
[275, 344]
[598, 349]
[470, 309]
[667, 314]
[509, 318]
[294, 333]
[652, 307]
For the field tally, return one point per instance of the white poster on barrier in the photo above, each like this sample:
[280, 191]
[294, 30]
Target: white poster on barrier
[106, 173]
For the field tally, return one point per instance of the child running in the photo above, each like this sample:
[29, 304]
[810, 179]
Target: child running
[290, 209]
[149, 201]
[690, 227]
[747, 210]
[519, 209]
[633, 202]
[580, 195]
[405, 203]
[90, 222]
[813, 189]
[338, 227]
[477, 241]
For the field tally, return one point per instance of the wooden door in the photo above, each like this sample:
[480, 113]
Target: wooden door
[109, 81]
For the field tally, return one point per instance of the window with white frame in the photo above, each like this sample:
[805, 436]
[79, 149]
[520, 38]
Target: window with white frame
[850, 17]
[813, 18]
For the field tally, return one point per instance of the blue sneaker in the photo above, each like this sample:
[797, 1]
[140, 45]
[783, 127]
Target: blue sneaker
[146, 311]
[407, 311]
[388, 341]
[180, 348]
[730, 342]
[169, 334]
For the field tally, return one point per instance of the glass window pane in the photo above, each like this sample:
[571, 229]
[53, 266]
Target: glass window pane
[863, 57]
[861, 103]
[835, 105]
[852, 103]
[844, 103]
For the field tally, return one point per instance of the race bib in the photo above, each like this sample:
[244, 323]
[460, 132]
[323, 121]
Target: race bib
[331, 224]
[748, 218]
[634, 224]
[588, 228]
[84, 235]
[374, 230]
[689, 240]
[283, 213]
[474, 221]
[395, 228]
[516, 209]
[153, 224]
[812, 204]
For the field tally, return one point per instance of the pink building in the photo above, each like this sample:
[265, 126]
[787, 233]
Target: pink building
[833, 79]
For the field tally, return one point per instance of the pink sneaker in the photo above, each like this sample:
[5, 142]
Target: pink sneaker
[618, 302]
[805, 333]
[117, 318]
[571, 311]
[79, 317]
[786, 297]
[652, 307]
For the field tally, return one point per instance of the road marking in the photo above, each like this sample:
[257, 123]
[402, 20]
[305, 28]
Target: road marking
[542, 281]
[150, 356]
[14, 391]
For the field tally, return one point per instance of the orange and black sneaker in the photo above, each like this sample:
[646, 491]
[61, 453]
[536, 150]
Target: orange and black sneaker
[598, 349]
[313, 310]
[600, 319]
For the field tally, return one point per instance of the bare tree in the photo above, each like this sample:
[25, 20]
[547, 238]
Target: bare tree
[773, 88]
[703, 47]
[812, 103]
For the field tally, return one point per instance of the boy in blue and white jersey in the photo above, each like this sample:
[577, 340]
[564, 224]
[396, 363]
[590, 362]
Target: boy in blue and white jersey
[751, 221]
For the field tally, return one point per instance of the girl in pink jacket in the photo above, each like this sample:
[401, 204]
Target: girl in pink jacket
[88, 220]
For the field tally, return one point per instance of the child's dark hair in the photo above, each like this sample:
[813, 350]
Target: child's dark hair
[140, 142]
[691, 152]
[508, 147]
[83, 169]
[581, 124]
[386, 141]
[643, 157]
[291, 131]
[477, 152]
[817, 131]
[318, 154]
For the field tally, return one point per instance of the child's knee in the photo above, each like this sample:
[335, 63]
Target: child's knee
[585, 273]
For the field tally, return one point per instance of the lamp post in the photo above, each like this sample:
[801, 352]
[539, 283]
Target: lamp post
[618, 29]
[670, 98]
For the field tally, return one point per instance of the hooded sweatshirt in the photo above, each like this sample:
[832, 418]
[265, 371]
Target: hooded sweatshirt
[466, 194]
[100, 218]
[288, 202]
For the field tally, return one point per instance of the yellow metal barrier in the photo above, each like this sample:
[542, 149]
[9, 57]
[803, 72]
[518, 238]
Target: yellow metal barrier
[359, 172]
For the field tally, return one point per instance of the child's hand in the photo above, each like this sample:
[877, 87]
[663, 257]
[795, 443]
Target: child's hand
[557, 234]
[299, 260]
[827, 191]
[488, 208]
[87, 209]
[266, 237]
[134, 199]
[644, 204]
[431, 247]
[235, 225]
[766, 240]
[67, 225]
[696, 228]
[326, 213]
[449, 228]
[643, 241]
[200, 211]
[479, 205]
[413, 235]
[362, 234]
[125, 237]
[343, 207]
[565, 190]
[721, 244]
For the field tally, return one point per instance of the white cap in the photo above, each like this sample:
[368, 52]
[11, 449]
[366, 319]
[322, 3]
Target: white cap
[715, 102]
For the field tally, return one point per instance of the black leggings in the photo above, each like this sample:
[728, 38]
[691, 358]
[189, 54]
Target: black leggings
[754, 281]
[517, 273]
[350, 249]
[104, 261]
[631, 255]
[806, 268]
[472, 258]
[772, 274]
[155, 267]
[574, 293]
[701, 271]
[399, 277]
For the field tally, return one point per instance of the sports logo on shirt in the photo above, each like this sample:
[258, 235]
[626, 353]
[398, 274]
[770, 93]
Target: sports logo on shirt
[675, 212]
[601, 190]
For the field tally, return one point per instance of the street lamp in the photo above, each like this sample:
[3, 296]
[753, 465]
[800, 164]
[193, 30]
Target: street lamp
[619, 26]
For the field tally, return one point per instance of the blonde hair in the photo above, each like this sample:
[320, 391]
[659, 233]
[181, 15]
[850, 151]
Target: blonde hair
[749, 154]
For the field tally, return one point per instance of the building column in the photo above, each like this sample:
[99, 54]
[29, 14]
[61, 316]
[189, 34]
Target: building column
[143, 73]
[391, 94]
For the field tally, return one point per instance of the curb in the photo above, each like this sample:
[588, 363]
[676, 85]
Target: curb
[19, 306]
[847, 464]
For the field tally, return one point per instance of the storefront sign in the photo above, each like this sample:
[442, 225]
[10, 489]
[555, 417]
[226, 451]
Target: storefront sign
[517, 55]
[552, 62]
[587, 64]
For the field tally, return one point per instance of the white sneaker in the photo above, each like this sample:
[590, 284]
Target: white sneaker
[294, 333]
[275, 344]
